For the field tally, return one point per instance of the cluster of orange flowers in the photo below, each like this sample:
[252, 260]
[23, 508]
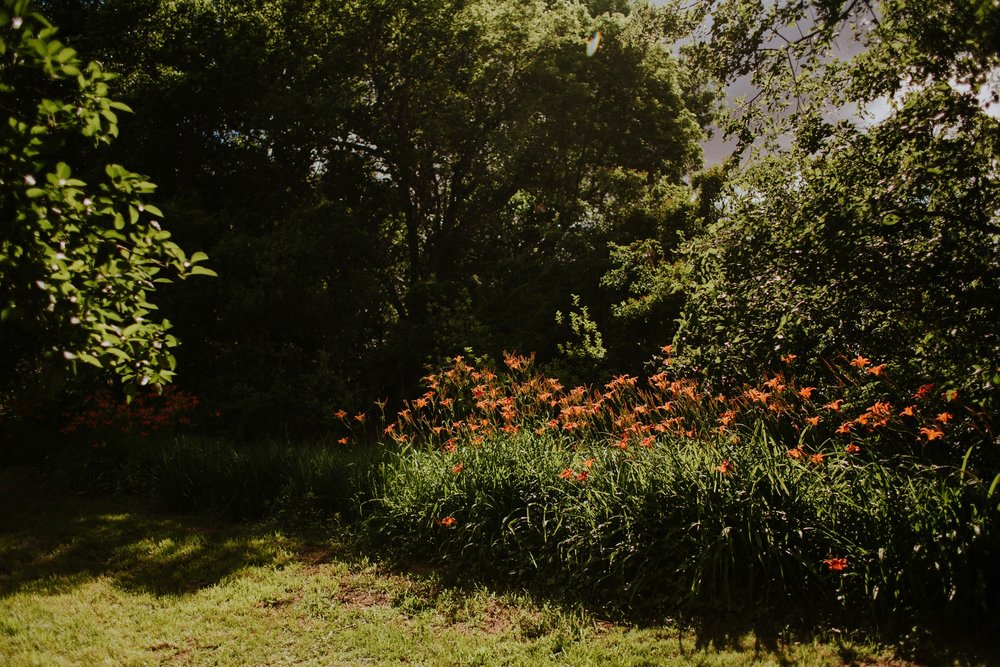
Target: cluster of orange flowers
[150, 411]
[466, 406]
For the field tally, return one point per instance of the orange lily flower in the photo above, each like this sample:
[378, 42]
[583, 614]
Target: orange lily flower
[834, 405]
[944, 417]
[806, 392]
[932, 433]
[907, 411]
[812, 421]
[860, 361]
[836, 564]
[852, 449]
[725, 467]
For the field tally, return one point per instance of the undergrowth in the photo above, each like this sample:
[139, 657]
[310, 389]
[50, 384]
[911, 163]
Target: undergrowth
[857, 503]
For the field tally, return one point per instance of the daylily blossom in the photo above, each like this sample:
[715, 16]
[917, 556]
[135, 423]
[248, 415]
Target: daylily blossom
[836, 564]
[932, 433]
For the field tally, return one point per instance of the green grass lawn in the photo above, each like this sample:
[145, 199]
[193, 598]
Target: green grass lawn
[98, 581]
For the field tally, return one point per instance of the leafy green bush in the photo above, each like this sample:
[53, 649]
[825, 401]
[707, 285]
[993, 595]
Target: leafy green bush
[883, 241]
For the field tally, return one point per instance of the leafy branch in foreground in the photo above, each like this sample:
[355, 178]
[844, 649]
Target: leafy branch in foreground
[78, 260]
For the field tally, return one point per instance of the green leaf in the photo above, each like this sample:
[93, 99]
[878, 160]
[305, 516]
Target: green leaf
[65, 55]
[114, 351]
[202, 271]
[89, 359]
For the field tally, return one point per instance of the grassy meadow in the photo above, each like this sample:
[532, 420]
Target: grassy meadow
[92, 580]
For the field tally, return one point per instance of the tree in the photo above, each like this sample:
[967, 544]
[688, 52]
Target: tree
[858, 236]
[498, 140]
[78, 261]
[380, 183]
[883, 241]
[803, 58]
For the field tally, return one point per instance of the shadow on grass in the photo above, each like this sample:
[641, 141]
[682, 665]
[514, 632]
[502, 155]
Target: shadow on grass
[761, 634]
[52, 542]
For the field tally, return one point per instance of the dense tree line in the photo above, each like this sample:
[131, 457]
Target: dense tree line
[381, 184]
